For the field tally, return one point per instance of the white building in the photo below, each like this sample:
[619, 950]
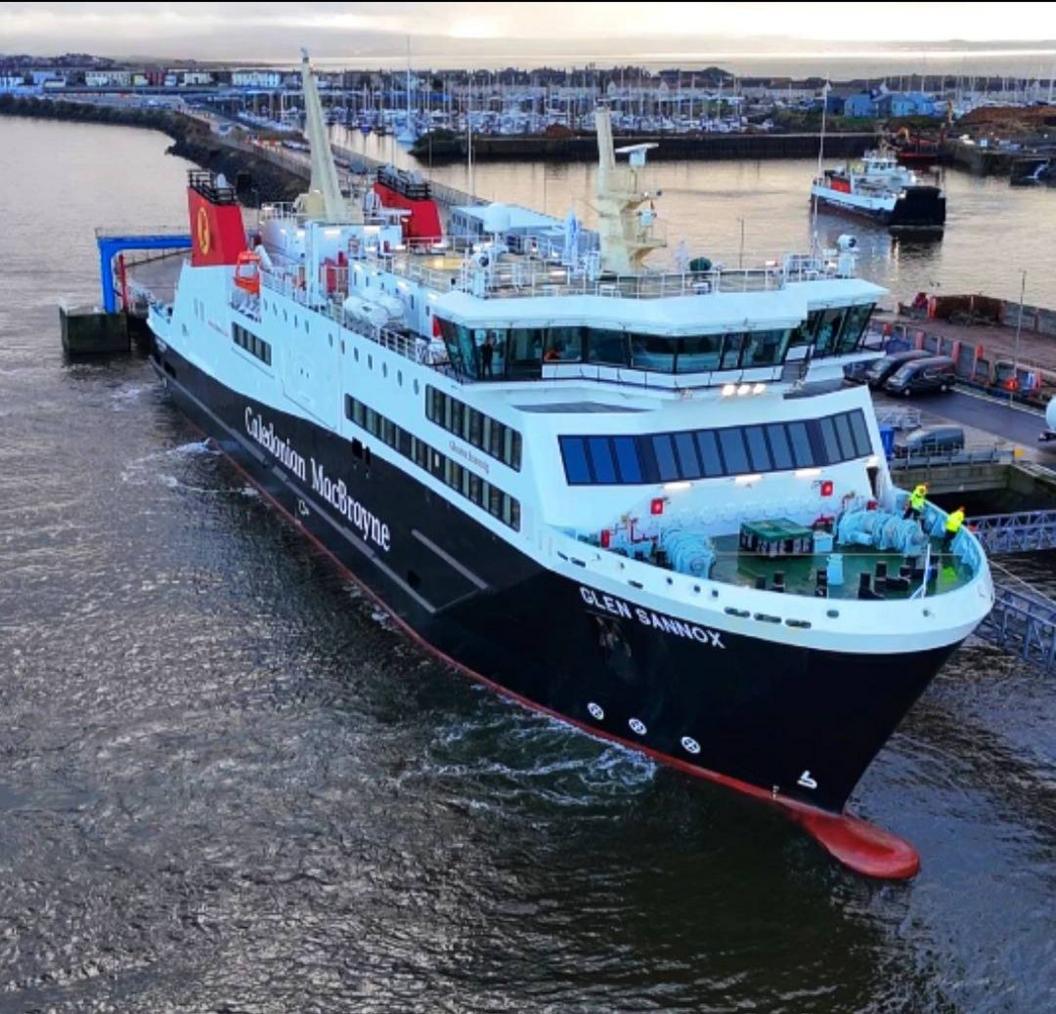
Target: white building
[244, 78]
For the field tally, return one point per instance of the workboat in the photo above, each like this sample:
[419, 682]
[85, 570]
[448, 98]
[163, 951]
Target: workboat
[883, 190]
[639, 501]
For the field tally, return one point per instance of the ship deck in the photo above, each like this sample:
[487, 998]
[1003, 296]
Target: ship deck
[735, 566]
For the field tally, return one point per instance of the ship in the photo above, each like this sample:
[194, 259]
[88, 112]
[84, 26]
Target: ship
[884, 191]
[639, 501]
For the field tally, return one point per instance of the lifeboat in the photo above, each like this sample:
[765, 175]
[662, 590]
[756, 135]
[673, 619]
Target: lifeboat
[247, 272]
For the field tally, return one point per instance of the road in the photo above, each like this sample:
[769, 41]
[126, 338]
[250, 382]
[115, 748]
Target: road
[1019, 425]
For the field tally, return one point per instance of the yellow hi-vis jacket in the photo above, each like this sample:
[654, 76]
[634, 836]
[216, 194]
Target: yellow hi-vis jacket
[917, 498]
[954, 522]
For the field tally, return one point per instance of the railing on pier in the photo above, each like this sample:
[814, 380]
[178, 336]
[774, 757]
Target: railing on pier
[1021, 532]
[1022, 621]
[986, 455]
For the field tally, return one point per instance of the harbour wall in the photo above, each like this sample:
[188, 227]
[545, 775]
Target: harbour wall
[447, 147]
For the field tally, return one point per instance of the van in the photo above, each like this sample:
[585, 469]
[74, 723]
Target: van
[931, 440]
[879, 370]
[922, 376]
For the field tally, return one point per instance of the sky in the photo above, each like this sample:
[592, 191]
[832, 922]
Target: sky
[452, 34]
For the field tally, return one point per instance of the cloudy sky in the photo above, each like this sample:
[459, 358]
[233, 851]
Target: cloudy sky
[519, 32]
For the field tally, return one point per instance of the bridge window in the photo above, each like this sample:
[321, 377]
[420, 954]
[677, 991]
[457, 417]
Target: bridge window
[607, 347]
[699, 354]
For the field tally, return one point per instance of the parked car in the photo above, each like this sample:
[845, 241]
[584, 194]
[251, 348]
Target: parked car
[880, 370]
[921, 376]
[931, 440]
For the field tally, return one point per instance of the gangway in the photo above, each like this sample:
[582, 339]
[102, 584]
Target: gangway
[112, 242]
[1022, 621]
[1021, 532]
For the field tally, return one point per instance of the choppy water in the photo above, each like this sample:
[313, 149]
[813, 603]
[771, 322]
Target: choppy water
[229, 785]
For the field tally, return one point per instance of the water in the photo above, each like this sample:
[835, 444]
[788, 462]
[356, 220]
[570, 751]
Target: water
[230, 785]
[993, 231]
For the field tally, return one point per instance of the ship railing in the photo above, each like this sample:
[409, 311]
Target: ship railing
[415, 348]
[279, 210]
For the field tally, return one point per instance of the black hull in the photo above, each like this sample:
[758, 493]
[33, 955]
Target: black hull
[793, 725]
[919, 210]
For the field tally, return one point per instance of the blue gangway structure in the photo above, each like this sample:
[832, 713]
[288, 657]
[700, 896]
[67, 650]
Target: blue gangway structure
[111, 243]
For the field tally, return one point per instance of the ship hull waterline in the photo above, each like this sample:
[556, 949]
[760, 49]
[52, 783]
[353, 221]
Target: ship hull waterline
[606, 657]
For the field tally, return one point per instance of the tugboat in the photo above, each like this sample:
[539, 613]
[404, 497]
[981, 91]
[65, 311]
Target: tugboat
[641, 502]
[883, 190]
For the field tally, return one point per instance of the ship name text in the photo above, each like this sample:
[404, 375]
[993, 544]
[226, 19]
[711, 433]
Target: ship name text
[668, 624]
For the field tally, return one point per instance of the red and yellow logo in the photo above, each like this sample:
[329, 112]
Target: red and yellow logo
[202, 229]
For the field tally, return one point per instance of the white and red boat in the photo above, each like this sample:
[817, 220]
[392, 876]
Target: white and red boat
[885, 191]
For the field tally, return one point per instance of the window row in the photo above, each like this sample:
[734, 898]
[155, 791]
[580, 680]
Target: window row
[519, 353]
[502, 442]
[484, 494]
[251, 343]
[705, 454]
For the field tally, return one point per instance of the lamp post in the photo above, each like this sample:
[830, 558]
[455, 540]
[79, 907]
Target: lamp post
[1019, 328]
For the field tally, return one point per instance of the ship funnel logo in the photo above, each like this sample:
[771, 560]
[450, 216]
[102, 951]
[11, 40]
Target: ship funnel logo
[807, 781]
[202, 230]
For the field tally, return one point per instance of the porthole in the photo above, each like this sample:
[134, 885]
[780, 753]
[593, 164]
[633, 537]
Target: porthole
[416, 387]
[637, 726]
[690, 745]
[331, 341]
[370, 362]
[355, 355]
[596, 711]
[399, 377]
[342, 346]
[384, 369]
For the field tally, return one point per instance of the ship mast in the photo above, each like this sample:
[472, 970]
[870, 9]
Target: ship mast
[324, 199]
[626, 230]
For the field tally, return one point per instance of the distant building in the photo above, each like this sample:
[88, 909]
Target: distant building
[246, 78]
[895, 104]
[11, 82]
[862, 105]
[108, 78]
[194, 78]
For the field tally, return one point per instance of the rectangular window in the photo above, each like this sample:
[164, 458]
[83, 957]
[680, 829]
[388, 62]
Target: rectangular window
[574, 454]
[801, 450]
[601, 459]
[651, 352]
[828, 332]
[699, 354]
[665, 457]
[843, 435]
[686, 449]
[710, 458]
[779, 449]
[854, 325]
[766, 348]
[607, 347]
[732, 345]
[757, 449]
[732, 443]
[828, 437]
[860, 432]
[627, 459]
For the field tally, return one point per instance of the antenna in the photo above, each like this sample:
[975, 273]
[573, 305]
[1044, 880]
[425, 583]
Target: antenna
[821, 155]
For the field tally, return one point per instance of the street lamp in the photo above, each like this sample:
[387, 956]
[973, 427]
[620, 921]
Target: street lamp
[1019, 327]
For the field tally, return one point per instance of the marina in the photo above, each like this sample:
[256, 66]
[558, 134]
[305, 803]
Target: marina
[385, 547]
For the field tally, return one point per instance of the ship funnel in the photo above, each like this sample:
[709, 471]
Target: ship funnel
[324, 199]
[628, 231]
